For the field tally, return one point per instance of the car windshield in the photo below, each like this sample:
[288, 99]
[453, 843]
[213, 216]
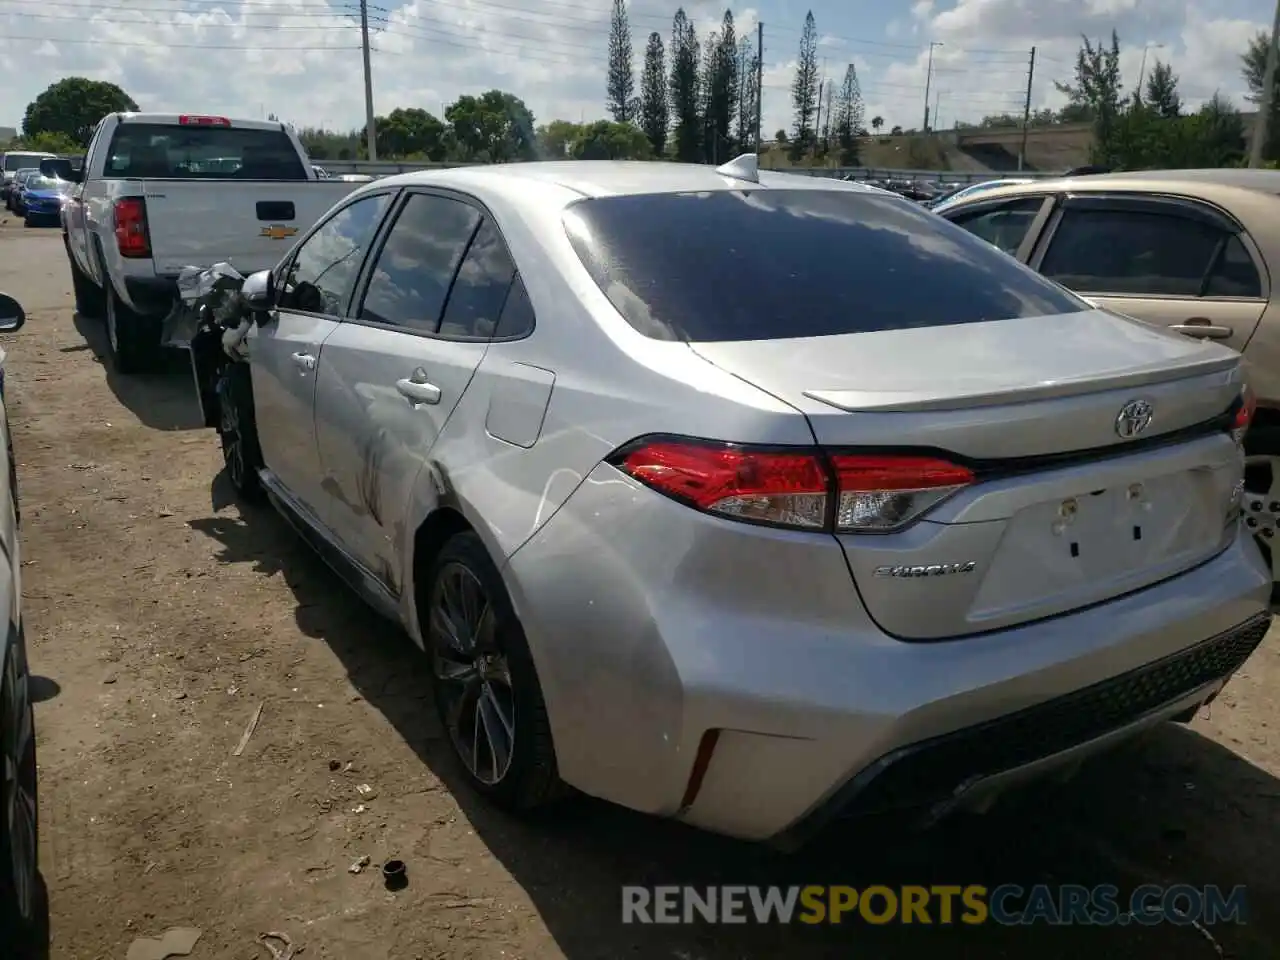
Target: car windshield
[49, 183]
[168, 151]
[770, 264]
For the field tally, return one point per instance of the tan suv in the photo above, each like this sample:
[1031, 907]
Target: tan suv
[1185, 248]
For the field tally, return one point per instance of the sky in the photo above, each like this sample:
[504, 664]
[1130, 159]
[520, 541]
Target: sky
[300, 59]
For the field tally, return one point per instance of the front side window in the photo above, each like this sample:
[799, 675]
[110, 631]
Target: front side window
[1004, 226]
[320, 277]
[415, 268]
[764, 264]
[1131, 252]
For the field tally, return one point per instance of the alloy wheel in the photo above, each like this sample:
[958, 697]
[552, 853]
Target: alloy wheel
[1262, 506]
[473, 676]
[17, 783]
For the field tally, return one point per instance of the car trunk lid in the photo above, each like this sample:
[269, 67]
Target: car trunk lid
[1064, 510]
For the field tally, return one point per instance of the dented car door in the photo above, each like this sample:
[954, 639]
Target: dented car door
[395, 370]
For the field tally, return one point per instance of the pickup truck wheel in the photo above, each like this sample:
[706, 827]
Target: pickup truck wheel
[89, 300]
[1262, 496]
[238, 432]
[132, 338]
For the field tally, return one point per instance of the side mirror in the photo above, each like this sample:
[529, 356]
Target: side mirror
[12, 316]
[258, 290]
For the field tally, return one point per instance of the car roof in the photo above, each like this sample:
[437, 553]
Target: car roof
[1203, 183]
[599, 178]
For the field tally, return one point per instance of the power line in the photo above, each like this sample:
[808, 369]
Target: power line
[166, 45]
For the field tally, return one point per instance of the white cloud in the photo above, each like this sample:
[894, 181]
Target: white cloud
[300, 59]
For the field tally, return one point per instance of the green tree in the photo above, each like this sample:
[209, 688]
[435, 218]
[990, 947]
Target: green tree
[1254, 69]
[609, 140]
[655, 115]
[748, 90]
[620, 89]
[48, 143]
[324, 144]
[1162, 91]
[722, 91]
[804, 89]
[555, 139]
[409, 132]
[73, 106]
[877, 123]
[683, 89]
[1097, 89]
[495, 127]
[847, 119]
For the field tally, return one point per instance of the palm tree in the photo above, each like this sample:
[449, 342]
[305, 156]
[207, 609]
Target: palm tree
[877, 123]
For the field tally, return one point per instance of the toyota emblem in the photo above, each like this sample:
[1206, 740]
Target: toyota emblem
[1134, 418]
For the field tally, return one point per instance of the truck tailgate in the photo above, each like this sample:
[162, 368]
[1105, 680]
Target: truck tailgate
[248, 223]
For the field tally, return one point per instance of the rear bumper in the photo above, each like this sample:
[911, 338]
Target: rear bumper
[151, 296]
[653, 626]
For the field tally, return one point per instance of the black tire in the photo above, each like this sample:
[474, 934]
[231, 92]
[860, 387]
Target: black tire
[133, 339]
[89, 299]
[531, 778]
[238, 432]
[20, 922]
[28, 222]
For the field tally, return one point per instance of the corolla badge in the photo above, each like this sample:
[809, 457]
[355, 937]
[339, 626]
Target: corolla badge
[926, 570]
[1134, 418]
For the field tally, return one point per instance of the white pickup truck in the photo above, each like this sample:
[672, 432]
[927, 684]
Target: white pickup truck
[159, 192]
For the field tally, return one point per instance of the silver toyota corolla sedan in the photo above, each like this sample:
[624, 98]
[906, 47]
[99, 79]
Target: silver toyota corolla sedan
[747, 499]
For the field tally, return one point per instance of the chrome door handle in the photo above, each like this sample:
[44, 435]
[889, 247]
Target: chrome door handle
[1206, 331]
[418, 391]
[305, 361]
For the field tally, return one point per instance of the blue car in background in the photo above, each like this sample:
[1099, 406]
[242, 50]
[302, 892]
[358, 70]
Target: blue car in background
[40, 200]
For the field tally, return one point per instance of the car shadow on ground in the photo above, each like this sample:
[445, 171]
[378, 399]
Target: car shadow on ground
[1174, 807]
[163, 400]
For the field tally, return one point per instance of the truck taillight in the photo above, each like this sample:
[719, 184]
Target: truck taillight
[132, 237]
[190, 120]
[799, 488]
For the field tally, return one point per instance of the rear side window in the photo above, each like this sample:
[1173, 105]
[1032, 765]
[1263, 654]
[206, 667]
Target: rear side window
[480, 288]
[772, 264]
[410, 280]
[1235, 274]
[1004, 226]
[1132, 252]
[169, 151]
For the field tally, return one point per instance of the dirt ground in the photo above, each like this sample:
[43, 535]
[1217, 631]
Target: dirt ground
[161, 617]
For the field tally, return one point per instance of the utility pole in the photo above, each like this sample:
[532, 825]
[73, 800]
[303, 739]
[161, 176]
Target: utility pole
[928, 82]
[817, 121]
[1267, 101]
[759, 81]
[369, 126]
[1026, 110]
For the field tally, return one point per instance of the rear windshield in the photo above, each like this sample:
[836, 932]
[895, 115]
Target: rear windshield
[20, 161]
[772, 264]
[148, 150]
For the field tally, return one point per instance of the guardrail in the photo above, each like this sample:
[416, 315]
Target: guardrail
[385, 168]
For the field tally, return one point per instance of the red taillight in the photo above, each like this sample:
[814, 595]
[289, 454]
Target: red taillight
[1244, 413]
[132, 238]
[794, 488]
[194, 121]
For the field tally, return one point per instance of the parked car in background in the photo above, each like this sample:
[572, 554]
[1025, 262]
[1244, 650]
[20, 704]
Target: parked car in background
[164, 191]
[11, 161]
[14, 200]
[1195, 250]
[42, 200]
[679, 474]
[20, 889]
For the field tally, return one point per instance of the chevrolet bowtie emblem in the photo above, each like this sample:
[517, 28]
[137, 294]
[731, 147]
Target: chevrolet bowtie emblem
[278, 231]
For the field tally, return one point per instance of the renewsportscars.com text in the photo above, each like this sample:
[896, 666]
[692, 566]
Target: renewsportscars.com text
[1008, 904]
